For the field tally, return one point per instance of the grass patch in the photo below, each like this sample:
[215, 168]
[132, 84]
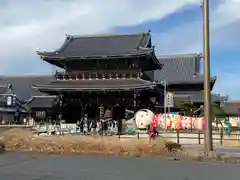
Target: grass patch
[23, 140]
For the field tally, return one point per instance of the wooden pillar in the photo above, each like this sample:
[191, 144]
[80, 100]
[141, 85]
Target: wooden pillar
[60, 114]
[101, 111]
[135, 100]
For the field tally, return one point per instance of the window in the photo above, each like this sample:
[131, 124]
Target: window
[106, 76]
[87, 76]
[93, 75]
[79, 76]
[40, 114]
[66, 77]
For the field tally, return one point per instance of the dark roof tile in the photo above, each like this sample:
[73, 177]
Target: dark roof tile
[101, 45]
[41, 102]
[22, 85]
[198, 96]
[3, 90]
[180, 68]
[232, 108]
[96, 84]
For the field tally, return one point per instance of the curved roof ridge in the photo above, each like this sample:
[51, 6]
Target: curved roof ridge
[146, 81]
[142, 38]
[45, 96]
[145, 48]
[105, 35]
[67, 40]
[180, 55]
[233, 101]
[213, 78]
[27, 76]
[4, 85]
[220, 95]
[34, 97]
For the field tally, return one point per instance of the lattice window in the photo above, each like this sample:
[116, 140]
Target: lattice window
[79, 76]
[66, 77]
[40, 114]
[128, 75]
[107, 76]
[93, 75]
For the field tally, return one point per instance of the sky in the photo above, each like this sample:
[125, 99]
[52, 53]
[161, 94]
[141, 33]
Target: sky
[176, 27]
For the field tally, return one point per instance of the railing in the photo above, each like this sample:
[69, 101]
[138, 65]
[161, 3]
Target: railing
[217, 137]
[182, 137]
[15, 126]
[96, 75]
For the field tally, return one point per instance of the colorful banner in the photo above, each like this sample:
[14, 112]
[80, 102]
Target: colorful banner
[175, 121]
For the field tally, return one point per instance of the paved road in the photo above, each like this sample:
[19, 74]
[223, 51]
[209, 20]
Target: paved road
[233, 151]
[46, 167]
[229, 150]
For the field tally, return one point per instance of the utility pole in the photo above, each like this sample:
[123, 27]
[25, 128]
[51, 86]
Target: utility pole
[207, 89]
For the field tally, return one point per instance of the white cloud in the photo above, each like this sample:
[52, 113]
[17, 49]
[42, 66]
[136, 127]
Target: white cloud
[228, 82]
[26, 25]
[225, 26]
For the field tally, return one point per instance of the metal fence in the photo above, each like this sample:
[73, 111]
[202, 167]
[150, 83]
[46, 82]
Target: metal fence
[179, 136]
[198, 136]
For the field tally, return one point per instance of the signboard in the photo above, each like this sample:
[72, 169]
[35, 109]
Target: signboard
[169, 100]
[9, 100]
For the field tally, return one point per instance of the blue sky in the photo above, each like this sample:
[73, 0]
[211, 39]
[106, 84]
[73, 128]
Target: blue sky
[175, 25]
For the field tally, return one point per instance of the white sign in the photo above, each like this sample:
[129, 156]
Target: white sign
[169, 100]
[9, 100]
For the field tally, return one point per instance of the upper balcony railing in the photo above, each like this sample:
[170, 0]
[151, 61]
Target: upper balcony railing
[96, 75]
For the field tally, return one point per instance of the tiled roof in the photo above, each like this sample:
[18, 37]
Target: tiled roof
[4, 89]
[232, 108]
[180, 69]
[110, 84]
[13, 109]
[102, 45]
[42, 102]
[22, 85]
[198, 96]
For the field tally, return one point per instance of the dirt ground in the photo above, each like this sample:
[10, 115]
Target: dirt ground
[231, 141]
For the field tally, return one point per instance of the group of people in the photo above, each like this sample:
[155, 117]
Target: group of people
[87, 126]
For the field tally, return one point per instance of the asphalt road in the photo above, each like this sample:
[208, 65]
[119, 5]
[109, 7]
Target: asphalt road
[50, 167]
[232, 151]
